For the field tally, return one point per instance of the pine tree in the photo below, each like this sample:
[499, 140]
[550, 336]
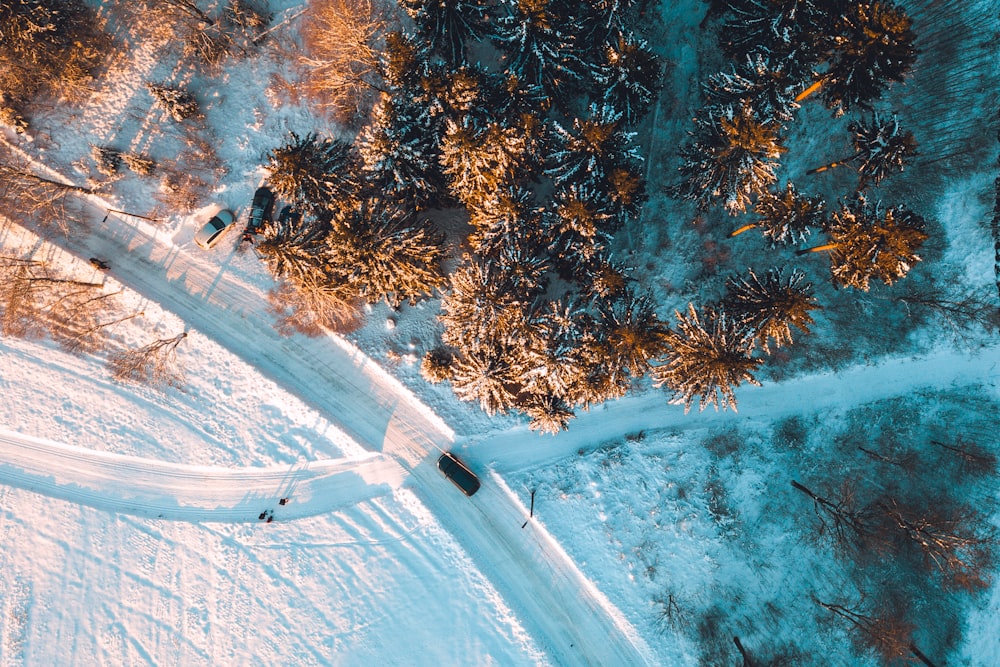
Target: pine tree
[549, 413]
[478, 162]
[758, 83]
[313, 172]
[482, 304]
[880, 149]
[399, 153]
[591, 148]
[293, 247]
[708, 357]
[579, 227]
[556, 355]
[629, 78]
[386, 252]
[487, 374]
[177, 102]
[448, 25]
[787, 216]
[769, 307]
[731, 159]
[628, 334]
[789, 31]
[872, 45]
[541, 46]
[866, 243]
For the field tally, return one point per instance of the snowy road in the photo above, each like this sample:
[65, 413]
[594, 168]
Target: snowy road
[556, 604]
[569, 618]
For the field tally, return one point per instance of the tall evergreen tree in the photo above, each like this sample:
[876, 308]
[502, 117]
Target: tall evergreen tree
[400, 154]
[757, 82]
[786, 216]
[313, 172]
[731, 159]
[386, 252]
[771, 305]
[708, 357]
[591, 148]
[629, 78]
[867, 243]
[478, 162]
[447, 25]
[541, 45]
[871, 45]
[489, 375]
[293, 247]
[482, 304]
[881, 148]
[629, 334]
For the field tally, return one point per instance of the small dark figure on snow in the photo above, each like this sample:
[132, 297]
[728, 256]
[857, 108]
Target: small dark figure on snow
[263, 515]
[283, 501]
[99, 264]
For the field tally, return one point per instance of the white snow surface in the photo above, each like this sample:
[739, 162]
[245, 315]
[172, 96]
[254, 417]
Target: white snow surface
[129, 516]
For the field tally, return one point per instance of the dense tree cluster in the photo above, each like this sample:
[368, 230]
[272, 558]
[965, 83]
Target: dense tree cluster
[850, 51]
[50, 47]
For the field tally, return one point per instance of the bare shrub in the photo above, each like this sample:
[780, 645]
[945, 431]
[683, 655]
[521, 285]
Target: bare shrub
[181, 190]
[108, 160]
[154, 364]
[313, 306]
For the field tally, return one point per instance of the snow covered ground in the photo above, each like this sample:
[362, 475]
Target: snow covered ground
[130, 516]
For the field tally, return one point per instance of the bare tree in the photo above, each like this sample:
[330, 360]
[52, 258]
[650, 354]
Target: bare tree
[841, 516]
[945, 538]
[885, 630]
[35, 301]
[153, 364]
[28, 197]
[343, 42]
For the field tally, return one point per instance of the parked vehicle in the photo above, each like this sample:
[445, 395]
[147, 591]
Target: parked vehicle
[458, 473]
[260, 209]
[209, 235]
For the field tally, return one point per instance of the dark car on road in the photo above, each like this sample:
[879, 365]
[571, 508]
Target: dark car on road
[458, 473]
[260, 209]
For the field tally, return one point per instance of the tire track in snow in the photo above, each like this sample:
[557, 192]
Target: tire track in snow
[157, 489]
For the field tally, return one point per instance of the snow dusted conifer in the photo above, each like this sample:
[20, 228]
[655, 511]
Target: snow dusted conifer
[786, 216]
[386, 252]
[400, 154]
[487, 374]
[477, 162]
[881, 148]
[771, 305]
[436, 365]
[629, 77]
[731, 159]
[313, 172]
[549, 413]
[556, 357]
[871, 46]
[177, 102]
[579, 226]
[629, 334]
[708, 357]
[591, 148]
[788, 31]
[866, 243]
[293, 247]
[757, 82]
[447, 25]
[541, 45]
[483, 303]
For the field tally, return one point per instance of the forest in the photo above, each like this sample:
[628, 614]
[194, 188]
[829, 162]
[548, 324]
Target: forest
[493, 160]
